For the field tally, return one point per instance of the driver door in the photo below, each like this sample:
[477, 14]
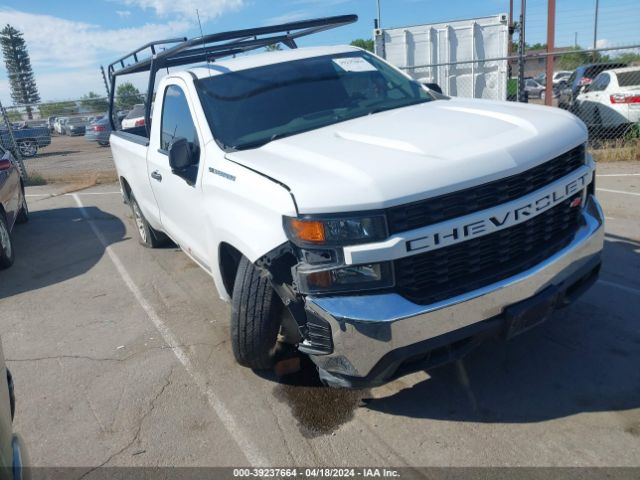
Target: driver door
[178, 198]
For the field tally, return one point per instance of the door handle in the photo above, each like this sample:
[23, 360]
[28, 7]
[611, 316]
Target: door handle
[156, 175]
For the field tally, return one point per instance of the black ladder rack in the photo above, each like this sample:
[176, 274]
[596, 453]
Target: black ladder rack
[174, 52]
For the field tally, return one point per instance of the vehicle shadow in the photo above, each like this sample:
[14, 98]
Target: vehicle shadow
[57, 245]
[583, 359]
[55, 154]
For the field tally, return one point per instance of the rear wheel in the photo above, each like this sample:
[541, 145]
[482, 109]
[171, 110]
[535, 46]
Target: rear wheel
[256, 317]
[148, 236]
[28, 148]
[6, 246]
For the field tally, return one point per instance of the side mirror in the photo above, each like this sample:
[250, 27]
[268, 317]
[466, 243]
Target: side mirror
[180, 155]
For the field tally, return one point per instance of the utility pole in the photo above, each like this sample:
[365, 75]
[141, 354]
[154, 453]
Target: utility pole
[595, 31]
[522, 45]
[379, 16]
[575, 40]
[551, 36]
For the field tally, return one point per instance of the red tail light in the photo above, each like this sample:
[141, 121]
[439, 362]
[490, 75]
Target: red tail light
[100, 128]
[140, 123]
[625, 98]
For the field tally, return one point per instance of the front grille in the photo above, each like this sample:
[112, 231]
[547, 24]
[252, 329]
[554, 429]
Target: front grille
[444, 273]
[457, 204]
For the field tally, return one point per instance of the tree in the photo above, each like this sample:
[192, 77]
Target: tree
[127, 96]
[21, 79]
[58, 109]
[94, 102]
[575, 57]
[273, 48]
[364, 44]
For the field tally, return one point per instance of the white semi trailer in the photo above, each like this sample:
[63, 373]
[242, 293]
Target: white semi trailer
[455, 55]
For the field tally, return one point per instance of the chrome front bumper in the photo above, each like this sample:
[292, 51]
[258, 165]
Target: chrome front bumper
[365, 329]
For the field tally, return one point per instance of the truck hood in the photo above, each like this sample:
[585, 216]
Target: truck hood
[413, 153]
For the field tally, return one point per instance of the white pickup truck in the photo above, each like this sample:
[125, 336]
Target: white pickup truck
[346, 211]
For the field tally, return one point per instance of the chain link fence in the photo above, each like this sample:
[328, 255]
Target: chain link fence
[600, 86]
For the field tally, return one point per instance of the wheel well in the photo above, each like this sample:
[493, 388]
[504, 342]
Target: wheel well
[229, 259]
[125, 188]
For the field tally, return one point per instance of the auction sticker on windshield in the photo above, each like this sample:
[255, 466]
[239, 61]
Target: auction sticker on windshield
[354, 64]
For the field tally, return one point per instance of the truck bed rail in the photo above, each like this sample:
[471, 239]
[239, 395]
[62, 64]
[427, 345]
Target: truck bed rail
[182, 51]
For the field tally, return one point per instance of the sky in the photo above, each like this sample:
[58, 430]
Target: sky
[68, 40]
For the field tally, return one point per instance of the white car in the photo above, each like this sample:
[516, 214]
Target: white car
[59, 123]
[135, 118]
[561, 76]
[612, 101]
[394, 225]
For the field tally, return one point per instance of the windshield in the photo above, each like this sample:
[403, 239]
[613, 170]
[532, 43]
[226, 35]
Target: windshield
[250, 108]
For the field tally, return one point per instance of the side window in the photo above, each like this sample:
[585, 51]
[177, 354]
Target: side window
[600, 83]
[176, 119]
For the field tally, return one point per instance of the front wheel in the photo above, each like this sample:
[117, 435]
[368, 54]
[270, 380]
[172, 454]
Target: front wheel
[148, 236]
[256, 315]
[6, 246]
[28, 148]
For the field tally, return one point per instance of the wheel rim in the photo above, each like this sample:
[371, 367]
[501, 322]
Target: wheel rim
[137, 214]
[28, 149]
[5, 241]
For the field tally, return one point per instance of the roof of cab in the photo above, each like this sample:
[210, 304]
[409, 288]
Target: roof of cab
[267, 58]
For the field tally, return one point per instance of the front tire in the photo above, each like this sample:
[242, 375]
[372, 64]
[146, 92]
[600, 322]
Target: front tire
[255, 318]
[147, 235]
[28, 148]
[6, 245]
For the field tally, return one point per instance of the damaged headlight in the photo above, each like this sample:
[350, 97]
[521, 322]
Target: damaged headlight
[347, 279]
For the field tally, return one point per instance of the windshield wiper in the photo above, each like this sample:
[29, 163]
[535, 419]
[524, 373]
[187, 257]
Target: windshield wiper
[260, 143]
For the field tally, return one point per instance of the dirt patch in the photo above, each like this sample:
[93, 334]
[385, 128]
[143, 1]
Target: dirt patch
[73, 161]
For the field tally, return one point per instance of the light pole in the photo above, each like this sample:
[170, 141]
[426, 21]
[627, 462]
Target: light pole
[379, 17]
[595, 31]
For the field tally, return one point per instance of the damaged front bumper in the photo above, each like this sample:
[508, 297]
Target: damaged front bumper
[376, 338]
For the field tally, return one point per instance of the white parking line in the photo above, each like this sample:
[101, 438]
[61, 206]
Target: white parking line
[250, 451]
[618, 191]
[621, 287]
[619, 175]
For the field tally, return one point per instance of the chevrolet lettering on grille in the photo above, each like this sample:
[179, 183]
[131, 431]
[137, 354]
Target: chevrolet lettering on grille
[474, 225]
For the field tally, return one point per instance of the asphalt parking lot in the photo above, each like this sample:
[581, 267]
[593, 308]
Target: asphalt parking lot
[121, 357]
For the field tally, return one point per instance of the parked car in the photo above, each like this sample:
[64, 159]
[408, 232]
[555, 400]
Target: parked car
[611, 103]
[58, 125]
[51, 121]
[534, 89]
[582, 76]
[29, 139]
[558, 76]
[13, 455]
[135, 118]
[395, 226]
[75, 126]
[13, 205]
[99, 131]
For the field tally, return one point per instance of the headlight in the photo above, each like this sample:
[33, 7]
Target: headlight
[345, 279]
[335, 231]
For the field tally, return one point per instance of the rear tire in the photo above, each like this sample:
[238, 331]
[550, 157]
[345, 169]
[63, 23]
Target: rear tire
[255, 318]
[6, 245]
[147, 235]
